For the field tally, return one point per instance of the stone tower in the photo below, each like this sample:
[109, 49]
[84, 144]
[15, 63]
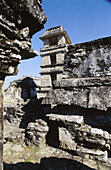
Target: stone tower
[52, 57]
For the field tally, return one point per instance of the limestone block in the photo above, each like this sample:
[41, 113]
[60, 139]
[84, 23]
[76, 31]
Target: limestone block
[55, 50]
[59, 77]
[36, 133]
[100, 97]
[90, 97]
[46, 80]
[16, 32]
[52, 69]
[60, 58]
[67, 120]
[17, 148]
[90, 59]
[70, 83]
[46, 60]
[67, 97]
[65, 139]
[52, 47]
[93, 154]
[98, 137]
[61, 39]
[96, 132]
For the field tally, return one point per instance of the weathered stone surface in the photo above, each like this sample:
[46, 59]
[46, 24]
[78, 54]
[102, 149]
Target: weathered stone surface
[90, 59]
[24, 88]
[13, 133]
[75, 135]
[67, 97]
[36, 133]
[19, 20]
[86, 76]
[89, 97]
[7, 146]
[83, 82]
[21, 104]
[66, 141]
[99, 97]
[73, 120]
[17, 148]
[16, 31]
[92, 154]
[52, 57]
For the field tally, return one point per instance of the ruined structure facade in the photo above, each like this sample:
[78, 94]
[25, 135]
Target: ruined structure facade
[84, 91]
[19, 20]
[77, 78]
[52, 56]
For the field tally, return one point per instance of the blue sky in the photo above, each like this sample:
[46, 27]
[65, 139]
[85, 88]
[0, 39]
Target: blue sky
[84, 20]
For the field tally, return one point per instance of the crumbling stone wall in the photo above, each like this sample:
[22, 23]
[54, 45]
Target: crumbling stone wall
[90, 59]
[19, 20]
[84, 91]
[71, 133]
[21, 101]
[86, 82]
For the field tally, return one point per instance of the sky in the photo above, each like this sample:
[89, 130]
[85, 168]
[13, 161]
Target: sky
[84, 20]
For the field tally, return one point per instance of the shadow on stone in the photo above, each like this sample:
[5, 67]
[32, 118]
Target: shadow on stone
[98, 118]
[51, 163]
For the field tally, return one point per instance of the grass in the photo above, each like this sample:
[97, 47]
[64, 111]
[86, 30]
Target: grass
[36, 149]
[28, 160]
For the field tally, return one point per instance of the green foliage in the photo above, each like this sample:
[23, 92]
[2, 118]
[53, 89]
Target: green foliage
[27, 160]
[12, 81]
[5, 90]
[36, 149]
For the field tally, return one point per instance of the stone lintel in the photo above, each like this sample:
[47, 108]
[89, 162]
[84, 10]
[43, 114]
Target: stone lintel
[83, 82]
[52, 72]
[91, 97]
[57, 34]
[52, 47]
[43, 91]
[54, 65]
[59, 50]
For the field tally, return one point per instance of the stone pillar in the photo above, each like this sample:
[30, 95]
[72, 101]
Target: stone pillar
[1, 122]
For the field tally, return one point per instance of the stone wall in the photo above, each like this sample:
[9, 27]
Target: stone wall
[86, 76]
[19, 20]
[90, 59]
[26, 87]
[36, 133]
[86, 83]
[71, 133]
[21, 101]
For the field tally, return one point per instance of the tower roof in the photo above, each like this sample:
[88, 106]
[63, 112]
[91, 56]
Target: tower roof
[55, 31]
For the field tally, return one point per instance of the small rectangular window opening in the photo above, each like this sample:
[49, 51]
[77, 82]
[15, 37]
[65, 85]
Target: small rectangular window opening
[53, 78]
[53, 59]
[53, 41]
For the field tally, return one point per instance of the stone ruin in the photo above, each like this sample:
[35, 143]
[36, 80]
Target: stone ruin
[83, 92]
[52, 57]
[75, 113]
[21, 101]
[19, 20]
[76, 78]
